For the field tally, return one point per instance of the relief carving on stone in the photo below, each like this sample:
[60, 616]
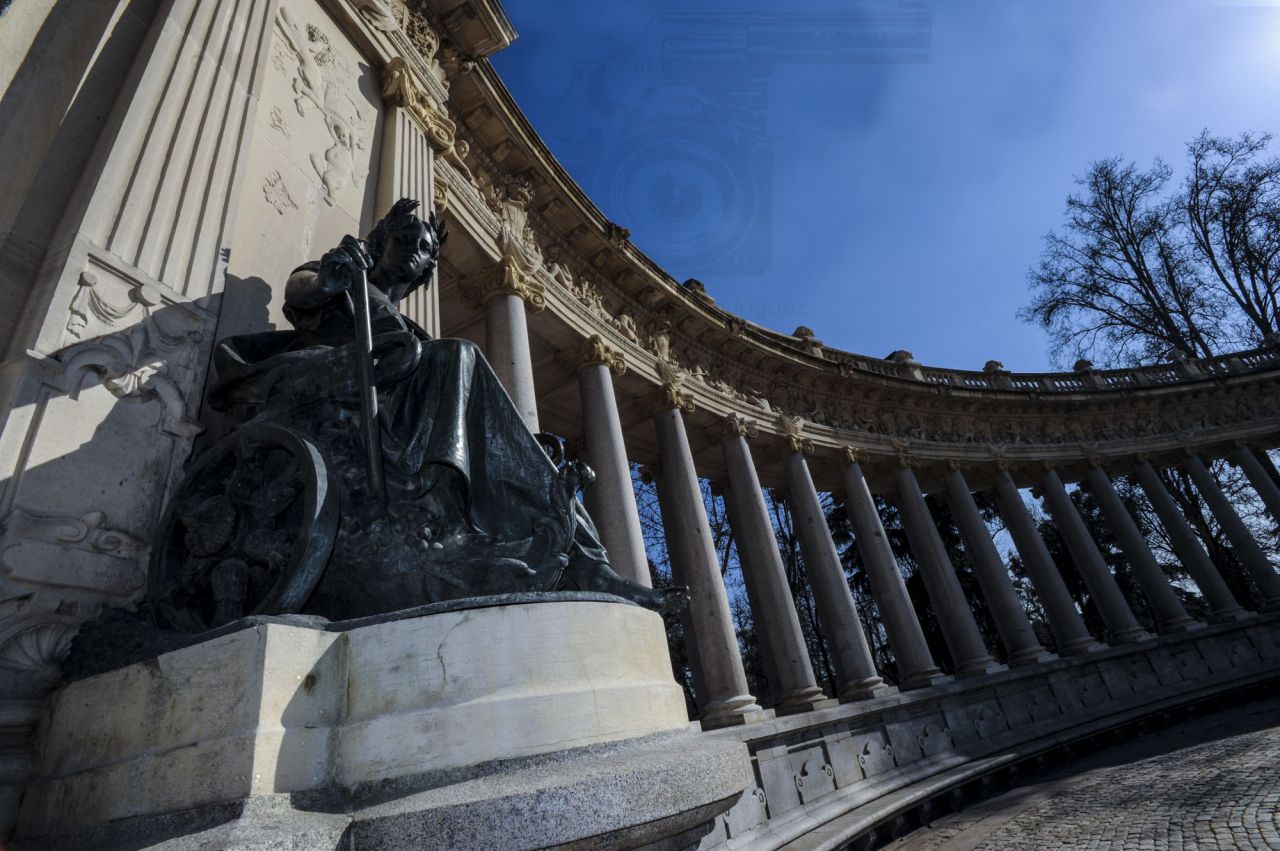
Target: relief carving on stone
[142, 359]
[321, 82]
[401, 89]
[277, 193]
[378, 14]
[84, 553]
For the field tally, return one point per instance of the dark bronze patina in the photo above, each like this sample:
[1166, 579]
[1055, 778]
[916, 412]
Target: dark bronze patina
[368, 474]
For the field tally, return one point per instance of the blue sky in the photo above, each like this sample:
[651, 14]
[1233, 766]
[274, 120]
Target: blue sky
[882, 172]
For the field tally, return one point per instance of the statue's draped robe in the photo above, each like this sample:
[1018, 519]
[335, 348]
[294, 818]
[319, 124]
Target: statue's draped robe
[442, 411]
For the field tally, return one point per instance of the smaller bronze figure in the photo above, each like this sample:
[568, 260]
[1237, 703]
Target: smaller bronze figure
[287, 512]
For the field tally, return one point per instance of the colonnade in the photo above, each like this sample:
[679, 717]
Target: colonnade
[720, 680]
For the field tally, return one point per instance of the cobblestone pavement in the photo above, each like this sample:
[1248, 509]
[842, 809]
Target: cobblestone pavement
[1212, 782]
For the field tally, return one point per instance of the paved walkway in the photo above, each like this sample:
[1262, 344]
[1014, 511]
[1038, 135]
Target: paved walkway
[1209, 783]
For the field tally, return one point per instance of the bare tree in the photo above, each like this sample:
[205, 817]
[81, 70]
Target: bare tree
[1120, 283]
[1232, 205]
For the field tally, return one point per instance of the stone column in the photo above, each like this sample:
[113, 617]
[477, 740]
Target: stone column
[1165, 605]
[1260, 478]
[775, 613]
[694, 562]
[505, 289]
[1064, 619]
[1116, 614]
[653, 473]
[916, 667]
[1246, 548]
[1222, 602]
[960, 630]
[1002, 600]
[855, 669]
[611, 499]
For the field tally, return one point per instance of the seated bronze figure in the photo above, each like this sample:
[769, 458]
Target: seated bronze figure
[286, 513]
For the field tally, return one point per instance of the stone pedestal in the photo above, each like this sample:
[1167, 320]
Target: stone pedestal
[400, 726]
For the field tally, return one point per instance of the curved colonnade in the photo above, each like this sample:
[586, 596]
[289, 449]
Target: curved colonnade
[597, 343]
[600, 345]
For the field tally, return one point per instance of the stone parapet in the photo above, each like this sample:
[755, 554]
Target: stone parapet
[831, 774]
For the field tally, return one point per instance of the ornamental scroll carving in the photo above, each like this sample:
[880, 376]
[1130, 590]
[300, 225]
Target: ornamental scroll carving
[591, 351]
[504, 278]
[793, 434]
[401, 89]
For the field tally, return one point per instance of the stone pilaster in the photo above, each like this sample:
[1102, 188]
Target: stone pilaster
[1116, 614]
[1246, 548]
[1064, 619]
[610, 499]
[1019, 638]
[916, 667]
[694, 563]
[1165, 605]
[797, 689]
[1185, 543]
[856, 676]
[968, 650]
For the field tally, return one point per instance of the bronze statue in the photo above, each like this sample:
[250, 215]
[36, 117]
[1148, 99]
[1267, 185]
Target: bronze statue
[369, 468]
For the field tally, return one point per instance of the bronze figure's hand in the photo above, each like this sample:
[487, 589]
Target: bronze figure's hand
[337, 266]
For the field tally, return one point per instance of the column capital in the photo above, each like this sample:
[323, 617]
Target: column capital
[793, 434]
[854, 455]
[670, 392]
[907, 461]
[734, 425]
[504, 277]
[401, 87]
[592, 351]
[1004, 465]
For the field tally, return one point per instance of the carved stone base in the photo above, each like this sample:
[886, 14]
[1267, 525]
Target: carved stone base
[401, 725]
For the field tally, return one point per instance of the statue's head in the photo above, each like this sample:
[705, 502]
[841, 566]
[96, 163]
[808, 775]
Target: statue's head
[404, 248]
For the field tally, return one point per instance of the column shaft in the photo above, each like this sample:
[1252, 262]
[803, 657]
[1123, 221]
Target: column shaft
[767, 694]
[855, 669]
[693, 559]
[1222, 602]
[1165, 605]
[916, 667]
[758, 549]
[611, 499]
[1260, 478]
[1246, 548]
[687, 624]
[968, 650]
[1064, 619]
[1116, 614]
[1002, 600]
[506, 335]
